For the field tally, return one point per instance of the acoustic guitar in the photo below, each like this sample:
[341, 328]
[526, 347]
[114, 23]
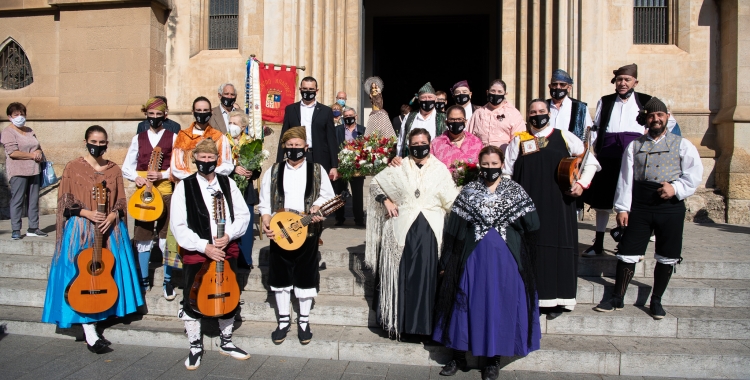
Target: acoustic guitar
[146, 204]
[215, 291]
[290, 228]
[569, 169]
[93, 289]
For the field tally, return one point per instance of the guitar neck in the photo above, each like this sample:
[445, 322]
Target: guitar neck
[98, 236]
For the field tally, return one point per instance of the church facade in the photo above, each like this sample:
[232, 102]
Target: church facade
[75, 63]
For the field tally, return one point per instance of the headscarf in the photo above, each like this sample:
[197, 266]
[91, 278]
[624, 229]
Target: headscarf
[154, 104]
[294, 133]
[631, 70]
[560, 75]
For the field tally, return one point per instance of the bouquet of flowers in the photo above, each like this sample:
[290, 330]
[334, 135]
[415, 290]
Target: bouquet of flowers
[250, 156]
[365, 155]
[464, 172]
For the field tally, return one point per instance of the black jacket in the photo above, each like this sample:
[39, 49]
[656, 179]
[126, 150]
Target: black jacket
[325, 149]
[341, 134]
[168, 124]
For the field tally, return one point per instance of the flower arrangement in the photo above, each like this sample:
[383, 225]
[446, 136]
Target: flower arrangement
[365, 155]
[464, 172]
[250, 156]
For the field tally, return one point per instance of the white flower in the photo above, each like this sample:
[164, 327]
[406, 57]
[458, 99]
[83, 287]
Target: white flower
[362, 162]
[265, 153]
[385, 160]
[368, 148]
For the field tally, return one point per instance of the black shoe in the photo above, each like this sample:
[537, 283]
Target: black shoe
[491, 372]
[169, 293]
[339, 223]
[279, 335]
[305, 336]
[614, 303]
[194, 358]
[226, 347]
[103, 339]
[592, 251]
[98, 347]
[452, 367]
[657, 311]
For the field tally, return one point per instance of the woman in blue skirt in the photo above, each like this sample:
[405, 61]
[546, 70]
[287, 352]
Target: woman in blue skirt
[487, 302]
[77, 219]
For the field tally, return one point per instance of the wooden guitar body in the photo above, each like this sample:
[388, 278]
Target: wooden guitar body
[214, 293]
[93, 289]
[146, 204]
[289, 230]
[568, 171]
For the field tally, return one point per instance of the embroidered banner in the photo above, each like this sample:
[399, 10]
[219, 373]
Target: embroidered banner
[276, 91]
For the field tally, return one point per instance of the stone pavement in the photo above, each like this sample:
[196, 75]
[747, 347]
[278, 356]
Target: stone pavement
[31, 357]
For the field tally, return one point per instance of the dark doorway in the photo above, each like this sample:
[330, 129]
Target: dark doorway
[410, 51]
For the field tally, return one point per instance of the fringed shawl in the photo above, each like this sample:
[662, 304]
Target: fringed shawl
[75, 193]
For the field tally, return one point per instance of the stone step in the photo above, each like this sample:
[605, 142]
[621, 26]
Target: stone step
[333, 281]
[694, 358]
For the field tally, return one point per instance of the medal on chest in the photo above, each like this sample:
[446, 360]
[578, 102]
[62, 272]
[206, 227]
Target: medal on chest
[530, 146]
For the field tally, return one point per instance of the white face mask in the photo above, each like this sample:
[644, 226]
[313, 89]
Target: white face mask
[234, 130]
[18, 121]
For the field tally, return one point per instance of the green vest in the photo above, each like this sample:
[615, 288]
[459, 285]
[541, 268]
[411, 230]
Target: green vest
[439, 129]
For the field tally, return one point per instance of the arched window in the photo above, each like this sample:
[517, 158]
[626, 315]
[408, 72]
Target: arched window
[15, 68]
[222, 24]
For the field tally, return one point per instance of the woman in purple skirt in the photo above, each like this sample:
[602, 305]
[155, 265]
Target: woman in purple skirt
[487, 301]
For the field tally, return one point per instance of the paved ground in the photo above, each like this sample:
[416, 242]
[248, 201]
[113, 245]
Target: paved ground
[30, 357]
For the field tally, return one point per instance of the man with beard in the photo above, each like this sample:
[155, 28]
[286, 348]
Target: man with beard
[614, 128]
[659, 170]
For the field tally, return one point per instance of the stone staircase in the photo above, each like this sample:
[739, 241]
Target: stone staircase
[706, 333]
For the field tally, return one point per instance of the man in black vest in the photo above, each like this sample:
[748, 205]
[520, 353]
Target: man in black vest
[194, 225]
[659, 170]
[614, 128]
[303, 187]
[348, 131]
[318, 122]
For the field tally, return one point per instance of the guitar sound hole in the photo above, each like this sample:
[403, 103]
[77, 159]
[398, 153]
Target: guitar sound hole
[147, 197]
[95, 268]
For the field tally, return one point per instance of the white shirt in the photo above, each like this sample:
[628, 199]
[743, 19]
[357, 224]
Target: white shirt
[469, 110]
[575, 147]
[131, 159]
[295, 181]
[560, 118]
[225, 115]
[227, 165]
[190, 240]
[420, 121]
[623, 117]
[305, 117]
[685, 186]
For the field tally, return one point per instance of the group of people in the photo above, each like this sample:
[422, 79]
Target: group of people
[469, 267]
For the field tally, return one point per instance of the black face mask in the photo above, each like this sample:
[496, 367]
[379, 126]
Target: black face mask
[427, 105]
[206, 167]
[308, 95]
[490, 174]
[96, 150]
[462, 99]
[440, 106]
[558, 93]
[456, 127]
[202, 117]
[155, 122]
[627, 94]
[495, 99]
[349, 120]
[227, 102]
[539, 121]
[419, 151]
[294, 154]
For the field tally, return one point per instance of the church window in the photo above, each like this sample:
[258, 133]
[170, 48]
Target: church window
[15, 68]
[222, 24]
[651, 22]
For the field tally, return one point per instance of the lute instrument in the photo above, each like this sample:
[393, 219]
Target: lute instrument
[290, 227]
[569, 169]
[93, 289]
[215, 291]
[146, 204]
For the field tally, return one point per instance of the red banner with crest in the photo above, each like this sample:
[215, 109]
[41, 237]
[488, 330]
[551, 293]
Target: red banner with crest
[277, 90]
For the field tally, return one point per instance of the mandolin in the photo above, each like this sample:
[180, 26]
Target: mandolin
[146, 204]
[569, 169]
[93, 289]
[290, 228]
[215, 291]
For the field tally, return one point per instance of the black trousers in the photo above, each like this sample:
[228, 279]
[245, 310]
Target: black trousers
[357, 185]
[189, 272]
[666, 227]
[294, 268]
